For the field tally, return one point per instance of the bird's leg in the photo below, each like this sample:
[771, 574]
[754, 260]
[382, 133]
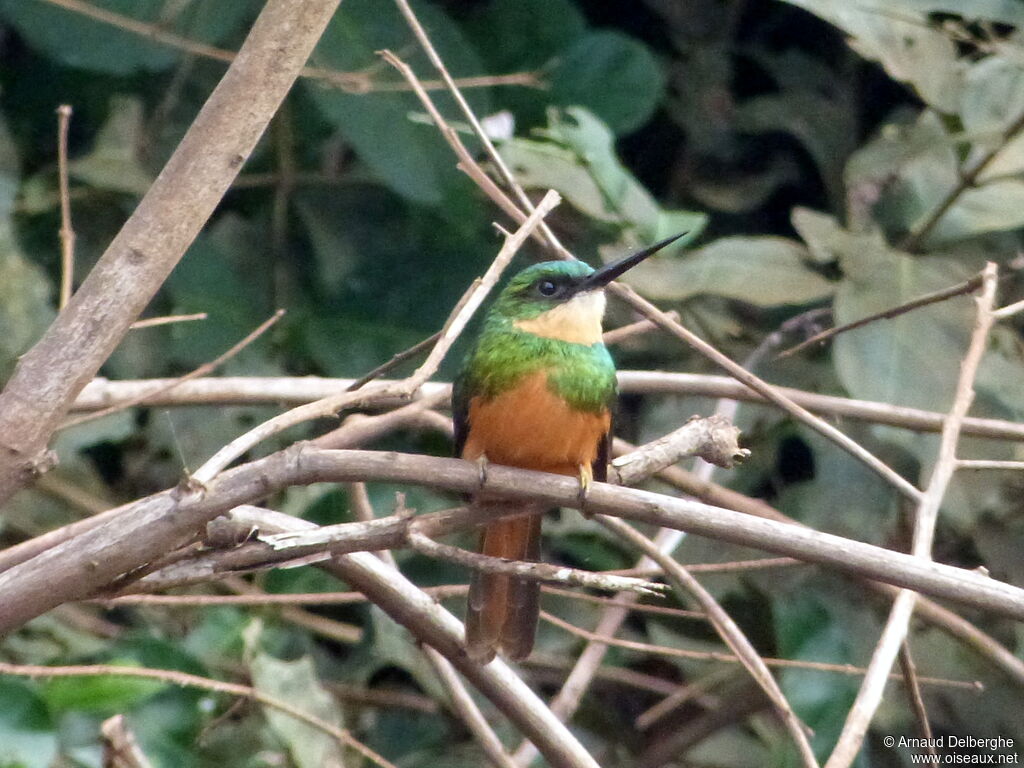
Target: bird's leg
[586, 477]
[482, 463]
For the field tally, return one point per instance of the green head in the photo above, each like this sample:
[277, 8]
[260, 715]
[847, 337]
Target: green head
[563, 300]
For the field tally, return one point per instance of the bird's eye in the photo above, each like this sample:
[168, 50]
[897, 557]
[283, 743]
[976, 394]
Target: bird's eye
[547, 288]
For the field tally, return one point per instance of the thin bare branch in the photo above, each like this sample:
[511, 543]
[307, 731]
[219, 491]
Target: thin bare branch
[530, 571]
[968, 178]
[895, 631]
[913, 686]
[203, 370]
[67, 232]
[728, 658]
[467, 710]
[968, 286]
[352, 82]
[186, 680]
[93, 560]
[298, 390]
[152, 322]
[120, 748]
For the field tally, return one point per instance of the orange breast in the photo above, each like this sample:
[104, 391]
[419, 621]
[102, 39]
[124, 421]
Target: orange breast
[529, 426]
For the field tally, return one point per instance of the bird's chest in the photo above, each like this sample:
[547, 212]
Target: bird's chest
[530, 425]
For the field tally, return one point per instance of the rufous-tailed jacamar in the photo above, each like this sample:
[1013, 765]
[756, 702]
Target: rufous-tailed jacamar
[536, 391]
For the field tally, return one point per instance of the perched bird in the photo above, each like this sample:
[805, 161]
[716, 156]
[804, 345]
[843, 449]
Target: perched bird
[536, 392]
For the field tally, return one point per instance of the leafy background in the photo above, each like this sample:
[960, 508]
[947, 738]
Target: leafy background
[803, 143]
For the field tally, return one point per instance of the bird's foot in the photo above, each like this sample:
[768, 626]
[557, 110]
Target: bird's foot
[482, 463]
[586, 477]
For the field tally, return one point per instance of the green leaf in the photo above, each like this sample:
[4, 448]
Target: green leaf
[25, 310]
[1005, 11]
[807, 629]
[101, 694]
[410, 158]
[902, 41]
[612, 75]
[993, 100]
[297, 683]
[765, 271]
[815, 120]
[80, 41]
[578, 160]
[113, 164]
[27, 737]
[532, 32]
[206, 280]
[912, 359]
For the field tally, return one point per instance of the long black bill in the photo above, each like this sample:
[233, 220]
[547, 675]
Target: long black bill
[609, 272]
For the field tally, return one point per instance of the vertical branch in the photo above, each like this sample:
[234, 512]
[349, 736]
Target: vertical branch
[67, 233]
[893, 635]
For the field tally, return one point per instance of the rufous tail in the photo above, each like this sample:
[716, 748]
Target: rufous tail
[502, 611]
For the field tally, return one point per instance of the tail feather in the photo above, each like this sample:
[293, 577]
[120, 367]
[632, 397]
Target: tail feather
[502, 611]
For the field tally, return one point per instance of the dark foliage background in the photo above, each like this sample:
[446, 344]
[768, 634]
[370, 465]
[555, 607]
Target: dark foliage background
[805, 145]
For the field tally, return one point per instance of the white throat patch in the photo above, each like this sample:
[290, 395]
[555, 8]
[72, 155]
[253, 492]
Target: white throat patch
[577, 321]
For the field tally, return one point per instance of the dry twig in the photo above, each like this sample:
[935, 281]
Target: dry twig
[184, 679]
[67, 232]
[893, 635]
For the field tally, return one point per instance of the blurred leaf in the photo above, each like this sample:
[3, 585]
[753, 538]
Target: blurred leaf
[113, 163]
[410, 158]
[207, 280]
[25, 310]
[297, 683]
[993, 100]
[103, 47]
[897, 143]
[27, 739]
[996, 206]
[815, 120]
[105, 694]
[612, 75]
[217, 635]
[926, 168]
[1005, 11]
[913, 359]
[579, 161]
[765, 271]
[807, 629]
[902, 41]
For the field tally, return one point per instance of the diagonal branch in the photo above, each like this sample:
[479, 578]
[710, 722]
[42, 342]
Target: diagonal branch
[727, 629]
[153, 240]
